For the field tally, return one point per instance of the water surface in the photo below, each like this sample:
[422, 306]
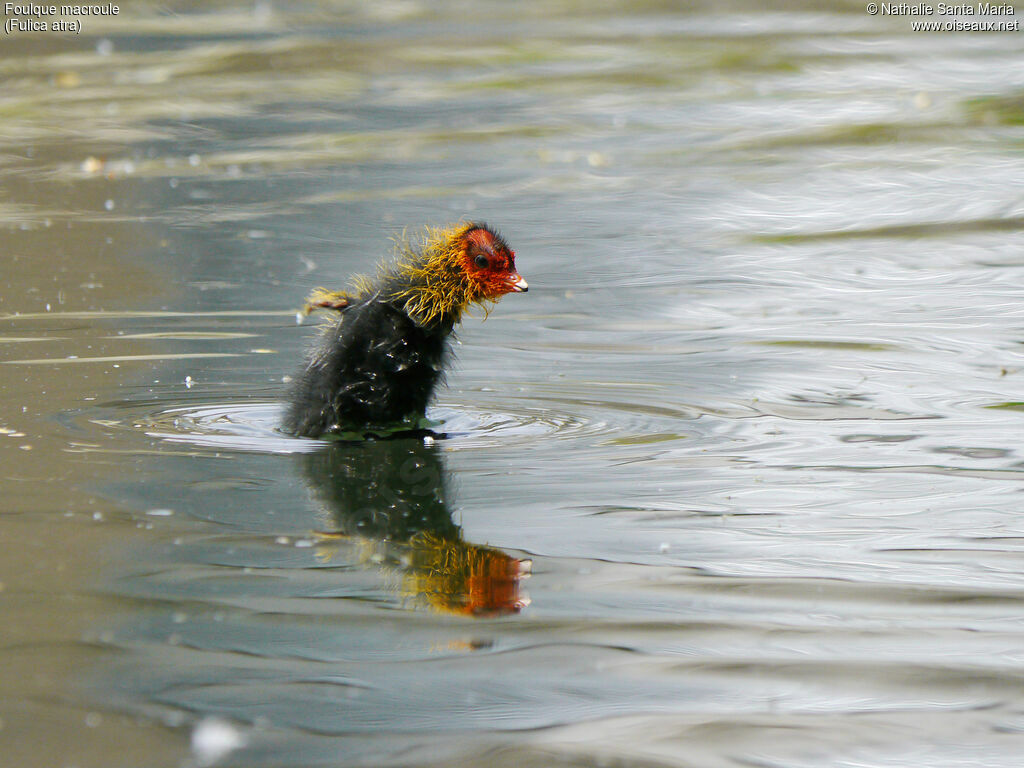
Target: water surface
[737, 482]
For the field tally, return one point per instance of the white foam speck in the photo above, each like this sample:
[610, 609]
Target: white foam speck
[214, 739]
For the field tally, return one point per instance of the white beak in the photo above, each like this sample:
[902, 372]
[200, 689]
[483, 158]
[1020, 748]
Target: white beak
[519, 285]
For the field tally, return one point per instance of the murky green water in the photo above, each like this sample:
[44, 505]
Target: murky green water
[737, 483]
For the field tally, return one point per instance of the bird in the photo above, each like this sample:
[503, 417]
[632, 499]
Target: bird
[383, 352]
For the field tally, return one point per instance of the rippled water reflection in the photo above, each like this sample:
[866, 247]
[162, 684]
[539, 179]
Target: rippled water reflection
[736, 483]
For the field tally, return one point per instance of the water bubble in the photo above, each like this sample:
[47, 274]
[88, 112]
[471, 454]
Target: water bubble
[214, 739]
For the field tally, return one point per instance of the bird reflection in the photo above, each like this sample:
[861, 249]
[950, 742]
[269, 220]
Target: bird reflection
[389, 498]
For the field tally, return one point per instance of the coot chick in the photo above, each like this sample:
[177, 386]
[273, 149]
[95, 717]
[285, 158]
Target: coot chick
[378, 362]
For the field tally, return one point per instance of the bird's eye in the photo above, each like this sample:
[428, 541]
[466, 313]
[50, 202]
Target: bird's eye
[481, 260]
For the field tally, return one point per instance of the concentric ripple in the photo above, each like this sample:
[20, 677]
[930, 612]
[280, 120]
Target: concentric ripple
[253, 427]
[562, 413]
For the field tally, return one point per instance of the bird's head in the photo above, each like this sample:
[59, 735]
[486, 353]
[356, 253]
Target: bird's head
[489, 264]
[454, 267]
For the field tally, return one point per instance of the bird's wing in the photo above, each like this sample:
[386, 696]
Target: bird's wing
[321, 298]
